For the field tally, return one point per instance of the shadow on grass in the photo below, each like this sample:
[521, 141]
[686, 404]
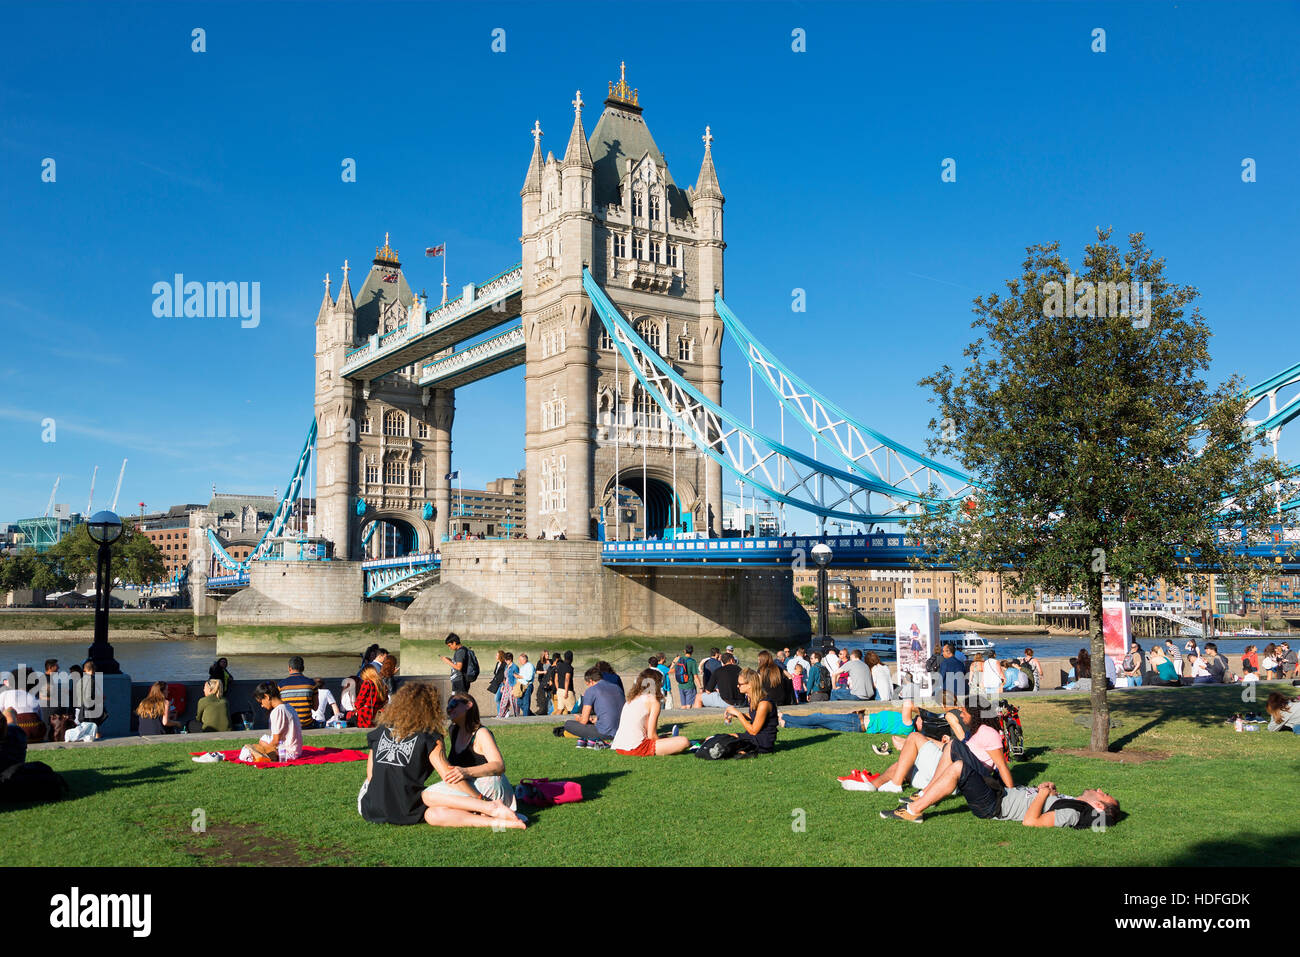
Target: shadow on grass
[1206, 706]
[789, 744]
[1024, 772]
[1240, 850]
[85, 782]
[593, 784]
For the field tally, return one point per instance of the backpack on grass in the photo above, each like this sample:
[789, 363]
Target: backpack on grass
[720, 747]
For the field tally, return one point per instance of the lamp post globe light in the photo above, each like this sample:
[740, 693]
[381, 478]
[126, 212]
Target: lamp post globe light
[105, 528]
[822, 555]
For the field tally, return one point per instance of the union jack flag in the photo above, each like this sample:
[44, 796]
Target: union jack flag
[435, 251]
[390, 277]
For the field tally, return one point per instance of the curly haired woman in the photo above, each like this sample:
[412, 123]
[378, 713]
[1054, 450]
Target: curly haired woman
[404, 748]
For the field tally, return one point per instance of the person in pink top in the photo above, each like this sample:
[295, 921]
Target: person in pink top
[976, 747]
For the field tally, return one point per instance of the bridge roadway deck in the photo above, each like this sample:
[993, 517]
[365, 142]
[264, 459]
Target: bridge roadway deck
[495, 302]
[873, 551]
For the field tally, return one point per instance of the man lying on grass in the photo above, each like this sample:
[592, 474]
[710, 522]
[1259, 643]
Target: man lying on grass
[960, 767]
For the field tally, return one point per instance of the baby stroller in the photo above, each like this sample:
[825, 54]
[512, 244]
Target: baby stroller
[1013, 733]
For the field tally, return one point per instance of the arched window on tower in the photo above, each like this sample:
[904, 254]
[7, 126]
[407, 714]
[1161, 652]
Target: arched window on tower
[648, 329]
[654, 209]
[606, 343]
[365, 426]
[394, 472]
[394, 423]
[638, 203]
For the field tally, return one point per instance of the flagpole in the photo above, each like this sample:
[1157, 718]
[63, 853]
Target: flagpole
[444, 274]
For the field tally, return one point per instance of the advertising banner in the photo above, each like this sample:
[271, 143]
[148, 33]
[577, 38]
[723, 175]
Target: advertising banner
[1116, 629]
[916, 635]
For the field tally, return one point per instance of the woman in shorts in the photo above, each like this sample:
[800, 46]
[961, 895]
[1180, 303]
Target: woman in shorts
[407, 745]
[638, 724]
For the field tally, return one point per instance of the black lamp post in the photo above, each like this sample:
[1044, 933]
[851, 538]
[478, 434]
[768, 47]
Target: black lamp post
[822, 554]
[105, 528]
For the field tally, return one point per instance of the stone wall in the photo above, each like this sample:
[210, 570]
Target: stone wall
[303, 607]
[491, 592]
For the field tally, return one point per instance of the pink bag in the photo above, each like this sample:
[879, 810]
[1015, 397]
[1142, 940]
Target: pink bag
[543, 792]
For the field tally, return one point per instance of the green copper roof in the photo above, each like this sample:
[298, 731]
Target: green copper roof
[375, 294]
[621, 135]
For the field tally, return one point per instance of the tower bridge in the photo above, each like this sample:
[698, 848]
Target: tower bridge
[617, 313]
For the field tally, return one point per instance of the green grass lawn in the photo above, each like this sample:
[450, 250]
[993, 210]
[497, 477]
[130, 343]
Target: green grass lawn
[1207, 796]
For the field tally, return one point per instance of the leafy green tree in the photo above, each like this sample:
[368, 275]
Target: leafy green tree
[136, 559]
[1098, 447]
[807, 594]
[47, 577]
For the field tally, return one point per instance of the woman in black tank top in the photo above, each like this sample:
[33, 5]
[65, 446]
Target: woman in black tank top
[760, 723]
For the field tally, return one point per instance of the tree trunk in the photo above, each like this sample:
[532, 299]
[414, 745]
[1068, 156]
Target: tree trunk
[1100, 708]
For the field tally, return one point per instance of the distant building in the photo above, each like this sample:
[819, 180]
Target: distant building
[498, 511]
[45, 532]
[170, 533]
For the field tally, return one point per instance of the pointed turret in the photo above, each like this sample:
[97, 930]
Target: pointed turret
[533, 181]
[344, 306]
[577, 153]
[326, 304]
[707, 186]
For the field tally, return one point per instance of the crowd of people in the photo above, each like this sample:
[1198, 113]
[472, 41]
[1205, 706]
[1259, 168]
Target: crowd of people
[959, 750]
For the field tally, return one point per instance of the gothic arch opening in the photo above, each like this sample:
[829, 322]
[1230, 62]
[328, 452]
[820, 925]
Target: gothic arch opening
[645, 506]
[388, 537]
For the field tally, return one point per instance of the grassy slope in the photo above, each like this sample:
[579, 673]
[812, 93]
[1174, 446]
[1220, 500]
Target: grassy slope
[1220, 798]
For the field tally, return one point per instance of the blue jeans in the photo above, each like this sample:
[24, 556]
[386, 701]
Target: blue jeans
[829, 722]
[496, 696]
[525, 699]
[844, 694]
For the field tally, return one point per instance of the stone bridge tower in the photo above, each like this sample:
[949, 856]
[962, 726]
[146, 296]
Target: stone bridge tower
[384, 443]
[611, 204]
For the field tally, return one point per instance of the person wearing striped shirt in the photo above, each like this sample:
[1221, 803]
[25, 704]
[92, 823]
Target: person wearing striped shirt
[299, 692]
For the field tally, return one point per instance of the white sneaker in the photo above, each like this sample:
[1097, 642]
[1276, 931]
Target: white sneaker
[856, 784]
[889, 787]
[212, 757]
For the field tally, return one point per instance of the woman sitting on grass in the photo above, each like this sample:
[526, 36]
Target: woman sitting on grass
[154, 711]
[638, 724]
[760, 723]
[1283, 713]
[406, 746]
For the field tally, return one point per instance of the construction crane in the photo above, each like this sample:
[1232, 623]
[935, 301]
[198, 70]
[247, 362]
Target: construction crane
[90, 502]
[53, 492]
[118, 491]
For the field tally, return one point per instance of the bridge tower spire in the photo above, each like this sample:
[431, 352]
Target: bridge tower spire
[611, 206]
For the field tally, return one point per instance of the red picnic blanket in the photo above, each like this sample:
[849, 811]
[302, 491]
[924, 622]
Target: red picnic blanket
[309, 756]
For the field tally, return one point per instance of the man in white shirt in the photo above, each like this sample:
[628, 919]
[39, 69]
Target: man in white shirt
[798, 659]
[526, 675]
[832, 662]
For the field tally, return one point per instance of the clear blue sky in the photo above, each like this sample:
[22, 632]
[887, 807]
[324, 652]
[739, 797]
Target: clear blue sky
[225, 166]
